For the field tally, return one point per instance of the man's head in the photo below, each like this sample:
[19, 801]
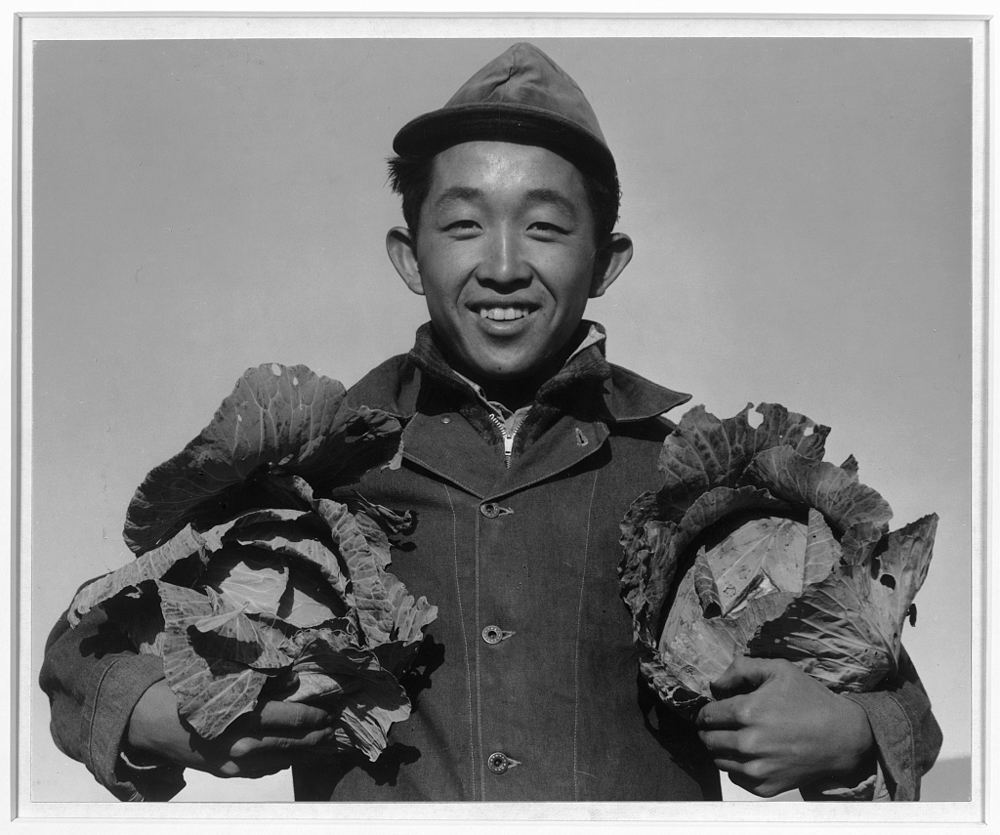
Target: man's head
[510, 195]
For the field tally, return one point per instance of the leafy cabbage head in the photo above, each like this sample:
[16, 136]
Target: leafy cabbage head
[756, 546]
[278, 421]
[251, 582]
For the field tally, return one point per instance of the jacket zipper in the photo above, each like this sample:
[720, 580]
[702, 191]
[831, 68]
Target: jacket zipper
[508, 437]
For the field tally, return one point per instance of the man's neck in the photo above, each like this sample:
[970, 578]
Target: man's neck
[515, 394]
[521, 391]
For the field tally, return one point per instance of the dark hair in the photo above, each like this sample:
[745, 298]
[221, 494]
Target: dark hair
[410, 178]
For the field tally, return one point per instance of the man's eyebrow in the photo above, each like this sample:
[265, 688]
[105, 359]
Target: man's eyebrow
[457, 194]
[556, 198]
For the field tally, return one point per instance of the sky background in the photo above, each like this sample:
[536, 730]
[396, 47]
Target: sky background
[801, 217]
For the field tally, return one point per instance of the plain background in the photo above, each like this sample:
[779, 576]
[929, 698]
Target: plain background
[801, 216]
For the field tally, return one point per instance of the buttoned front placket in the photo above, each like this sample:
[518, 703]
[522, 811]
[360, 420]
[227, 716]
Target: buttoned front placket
[522, 649]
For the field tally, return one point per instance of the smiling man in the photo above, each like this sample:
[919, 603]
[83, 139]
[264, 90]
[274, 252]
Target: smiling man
[507, 254]
[522, 450]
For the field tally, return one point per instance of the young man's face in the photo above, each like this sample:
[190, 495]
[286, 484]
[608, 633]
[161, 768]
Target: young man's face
[506, 257]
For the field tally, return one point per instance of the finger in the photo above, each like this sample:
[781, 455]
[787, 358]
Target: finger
[721, 743]
[258, 765]
[308, 740]
[281, 686]
[726, 714]
[733, 766]
[294, 715]
[279, 718]
[758, 786]
[742, 780]
[743, 675]
[248, 747]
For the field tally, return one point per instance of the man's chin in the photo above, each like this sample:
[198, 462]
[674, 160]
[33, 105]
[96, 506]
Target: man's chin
[512, 381]
[506, 365]
[511, 373]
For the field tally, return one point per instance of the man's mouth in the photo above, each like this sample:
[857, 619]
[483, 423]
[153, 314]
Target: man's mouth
[503, 314]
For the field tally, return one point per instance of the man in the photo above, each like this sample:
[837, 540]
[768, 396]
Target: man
[522, 449]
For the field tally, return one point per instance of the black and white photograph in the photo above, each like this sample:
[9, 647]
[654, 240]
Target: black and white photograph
[500, 418]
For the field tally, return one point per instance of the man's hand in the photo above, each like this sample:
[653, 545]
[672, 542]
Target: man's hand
[775, 728]
[264, 741]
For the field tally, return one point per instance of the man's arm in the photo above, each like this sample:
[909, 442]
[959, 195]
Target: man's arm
[107, 700]
[94, 678]
[775, 728]
[907, 735]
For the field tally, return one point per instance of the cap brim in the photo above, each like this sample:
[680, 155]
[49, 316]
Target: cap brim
[440, 129]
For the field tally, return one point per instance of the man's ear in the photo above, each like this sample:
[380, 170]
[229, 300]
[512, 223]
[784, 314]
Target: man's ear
[612, 257]
[402, 249]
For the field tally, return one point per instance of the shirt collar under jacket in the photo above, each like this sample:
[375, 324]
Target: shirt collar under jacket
[594, 335]
[396, 387]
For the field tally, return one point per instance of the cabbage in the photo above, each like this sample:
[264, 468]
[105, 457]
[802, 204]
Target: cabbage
[251, 583]
[756, 546]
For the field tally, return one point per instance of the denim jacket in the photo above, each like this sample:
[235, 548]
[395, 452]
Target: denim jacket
[526, 686]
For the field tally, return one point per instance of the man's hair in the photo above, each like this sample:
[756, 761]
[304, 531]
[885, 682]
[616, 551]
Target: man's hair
[410, 178]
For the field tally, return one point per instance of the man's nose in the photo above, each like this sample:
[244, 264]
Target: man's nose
[503, 262]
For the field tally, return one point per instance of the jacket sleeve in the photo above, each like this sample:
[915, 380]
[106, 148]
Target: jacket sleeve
[907, 738]
[94, 678]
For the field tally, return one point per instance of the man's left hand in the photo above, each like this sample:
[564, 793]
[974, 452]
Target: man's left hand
[775, 728]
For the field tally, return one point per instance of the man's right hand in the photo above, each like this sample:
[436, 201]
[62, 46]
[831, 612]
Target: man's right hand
[264, 741]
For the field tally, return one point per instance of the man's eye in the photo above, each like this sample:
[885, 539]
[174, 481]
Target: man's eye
[461, 226]
[544, 228]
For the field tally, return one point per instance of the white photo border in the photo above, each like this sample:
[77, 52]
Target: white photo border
[491, 817]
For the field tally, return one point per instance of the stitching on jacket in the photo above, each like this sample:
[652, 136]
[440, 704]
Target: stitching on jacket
[479, 703]
[910, 792]
[880, 780]
[461, 620]
[904, 789]
[438, 472]
[88, 718]
[88, 714]
[576, 651]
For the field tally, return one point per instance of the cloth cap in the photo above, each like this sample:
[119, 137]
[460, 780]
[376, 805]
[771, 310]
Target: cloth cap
[522, 96]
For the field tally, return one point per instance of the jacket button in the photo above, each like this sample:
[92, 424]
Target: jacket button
[492, 634]
[490, 510]
[446, 419]
[498, 762]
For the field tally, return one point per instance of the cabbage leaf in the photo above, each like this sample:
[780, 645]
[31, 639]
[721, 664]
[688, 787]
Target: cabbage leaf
[285, 420]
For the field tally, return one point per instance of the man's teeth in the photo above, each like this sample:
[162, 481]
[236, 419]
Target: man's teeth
[502, 313]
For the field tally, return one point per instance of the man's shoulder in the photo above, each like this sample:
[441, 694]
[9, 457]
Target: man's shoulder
[391, 386]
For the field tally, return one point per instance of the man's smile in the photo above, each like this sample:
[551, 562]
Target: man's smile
[506, 310]
[503, 313]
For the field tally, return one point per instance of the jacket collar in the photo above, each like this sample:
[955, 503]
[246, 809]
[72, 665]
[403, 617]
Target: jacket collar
[401, 384]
